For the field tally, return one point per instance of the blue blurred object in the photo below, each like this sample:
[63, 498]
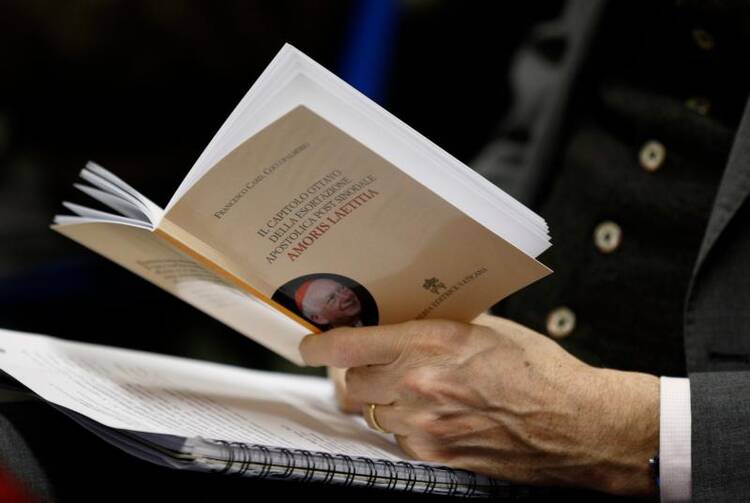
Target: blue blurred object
[367, 52]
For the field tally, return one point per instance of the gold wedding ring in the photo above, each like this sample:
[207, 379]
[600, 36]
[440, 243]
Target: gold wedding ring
[373, 420]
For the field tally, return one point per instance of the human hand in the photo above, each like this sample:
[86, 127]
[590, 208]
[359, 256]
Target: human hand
[345, 401]
[500, 399]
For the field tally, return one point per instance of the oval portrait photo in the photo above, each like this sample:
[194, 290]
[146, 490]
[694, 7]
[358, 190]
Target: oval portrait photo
[328, 301]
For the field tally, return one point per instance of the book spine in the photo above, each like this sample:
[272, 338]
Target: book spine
[349, 471]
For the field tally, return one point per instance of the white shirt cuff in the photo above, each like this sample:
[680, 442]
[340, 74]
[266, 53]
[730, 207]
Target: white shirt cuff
[674, 440]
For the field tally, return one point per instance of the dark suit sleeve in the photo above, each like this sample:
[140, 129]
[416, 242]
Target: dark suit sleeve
[717, 346]
[720, 408]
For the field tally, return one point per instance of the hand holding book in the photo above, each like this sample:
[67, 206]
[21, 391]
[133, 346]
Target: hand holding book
[497, 398]
[311, 208]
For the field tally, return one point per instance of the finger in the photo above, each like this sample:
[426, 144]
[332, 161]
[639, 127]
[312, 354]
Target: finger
[500, 325]
[355, 347]
[417, 447]
[402, 441]
[385, 416]
[345, 402]
[484, 319]
[372, 384]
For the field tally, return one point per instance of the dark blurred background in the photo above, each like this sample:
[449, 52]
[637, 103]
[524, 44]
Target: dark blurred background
[141, 86]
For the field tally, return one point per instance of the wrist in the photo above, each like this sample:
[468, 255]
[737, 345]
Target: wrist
[629, 408]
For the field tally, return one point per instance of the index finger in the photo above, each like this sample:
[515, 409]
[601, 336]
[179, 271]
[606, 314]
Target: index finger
[354, 347]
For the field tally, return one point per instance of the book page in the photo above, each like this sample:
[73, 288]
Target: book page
[334, 233]
[293, 78]
[153, 393]
[150, 257]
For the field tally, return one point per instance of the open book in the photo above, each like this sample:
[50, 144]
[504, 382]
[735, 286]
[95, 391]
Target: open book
[312, 208]
[201, 416]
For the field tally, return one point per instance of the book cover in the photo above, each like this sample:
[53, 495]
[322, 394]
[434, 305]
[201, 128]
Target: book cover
[314, 208]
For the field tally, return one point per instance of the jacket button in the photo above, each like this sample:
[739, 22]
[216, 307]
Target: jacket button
[560, 322]
[607, 237]
[703, 39]
[652, 155]
[699, 105]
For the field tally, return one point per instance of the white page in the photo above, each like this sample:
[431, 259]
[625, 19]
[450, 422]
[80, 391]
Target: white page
[292, 79]
[104, 184]
[162, 394]
[153, 210]
[72, 220]
[122, 206]
[103, 216]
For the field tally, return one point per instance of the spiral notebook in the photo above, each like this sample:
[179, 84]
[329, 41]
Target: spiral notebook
[201, 416]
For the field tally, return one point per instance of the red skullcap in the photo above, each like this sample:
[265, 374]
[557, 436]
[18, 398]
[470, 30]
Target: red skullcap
[299, 295]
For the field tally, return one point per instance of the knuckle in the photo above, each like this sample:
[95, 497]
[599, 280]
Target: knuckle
[421, 329]
[421, 381]
[444, 337]
[441, 430]
[412, 327]
[433, 338]
[460, 333]
[434, 427]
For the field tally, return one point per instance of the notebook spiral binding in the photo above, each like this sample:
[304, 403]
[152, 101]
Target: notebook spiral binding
[263, 461]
